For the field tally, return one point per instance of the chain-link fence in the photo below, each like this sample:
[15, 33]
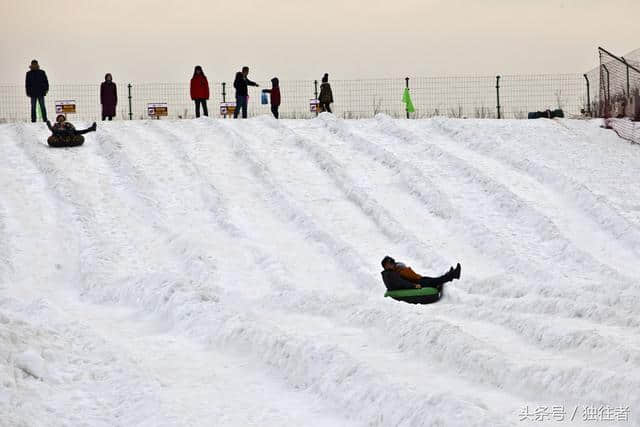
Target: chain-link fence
[601, 90]
[618, 99]
[619, 86]
[509, 96]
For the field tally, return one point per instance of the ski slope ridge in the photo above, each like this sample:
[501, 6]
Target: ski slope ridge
[217, 272]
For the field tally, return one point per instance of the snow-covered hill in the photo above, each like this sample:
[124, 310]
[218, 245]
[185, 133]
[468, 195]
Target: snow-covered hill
[226, 273]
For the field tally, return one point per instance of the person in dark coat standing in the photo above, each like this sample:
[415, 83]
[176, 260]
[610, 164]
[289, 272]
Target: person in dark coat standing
[241, 84]
[275, 96]
[108, 97]
[37, 86]
[326, 95]
[200, 90]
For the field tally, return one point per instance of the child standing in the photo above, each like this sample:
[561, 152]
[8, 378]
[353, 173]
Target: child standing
[275, 96]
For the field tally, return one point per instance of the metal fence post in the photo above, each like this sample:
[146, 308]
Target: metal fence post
[224, 98]
[406, 84]
[588, 96]
[315, 94]
[498, 95]
[130, 109]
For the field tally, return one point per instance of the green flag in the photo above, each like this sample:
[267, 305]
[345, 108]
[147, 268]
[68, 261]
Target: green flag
[406, 98]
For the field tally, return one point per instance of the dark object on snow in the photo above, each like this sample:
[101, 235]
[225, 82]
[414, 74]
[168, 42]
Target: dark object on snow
[394, 281]
[404, 284]
[402, 290]
[416, 296]
[548, 114]
[108, 97]
[65, 141]
[65, 134]
[397, 275]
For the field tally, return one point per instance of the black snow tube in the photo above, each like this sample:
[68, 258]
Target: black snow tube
[65, 141]
[415, 296]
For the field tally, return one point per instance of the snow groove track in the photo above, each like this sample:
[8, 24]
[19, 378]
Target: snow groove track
[218, 272]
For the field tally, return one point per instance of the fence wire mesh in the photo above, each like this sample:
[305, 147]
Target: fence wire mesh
[619, 94]
[454, 96]
[619, 83]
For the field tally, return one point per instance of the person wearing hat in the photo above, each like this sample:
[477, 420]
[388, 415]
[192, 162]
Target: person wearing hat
[65, 134]
[397, 275]
[326, 95]
[275, 96]
[37, 86]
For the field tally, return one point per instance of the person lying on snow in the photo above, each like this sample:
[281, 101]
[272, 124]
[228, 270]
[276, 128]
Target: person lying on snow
[397, 276]
[65, 134]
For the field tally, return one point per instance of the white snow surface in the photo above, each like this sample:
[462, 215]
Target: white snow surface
[227, 273]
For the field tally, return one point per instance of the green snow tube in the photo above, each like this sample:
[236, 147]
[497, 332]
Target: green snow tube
[415, 296]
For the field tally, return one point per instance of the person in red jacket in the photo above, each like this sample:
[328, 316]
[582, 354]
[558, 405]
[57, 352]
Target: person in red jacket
[275, 96]
[200, 90]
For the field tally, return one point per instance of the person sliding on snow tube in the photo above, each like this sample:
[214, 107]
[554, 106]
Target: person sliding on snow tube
[65, 134]
[404, 284]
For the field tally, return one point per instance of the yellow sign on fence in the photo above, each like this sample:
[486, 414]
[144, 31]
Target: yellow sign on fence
[66, 107]
[227, 109]
[158, 109]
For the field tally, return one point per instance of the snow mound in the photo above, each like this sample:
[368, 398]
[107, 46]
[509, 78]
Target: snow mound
[225, 272]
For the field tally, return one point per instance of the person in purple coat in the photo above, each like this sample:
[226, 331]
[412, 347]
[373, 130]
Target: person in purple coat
[108, 97]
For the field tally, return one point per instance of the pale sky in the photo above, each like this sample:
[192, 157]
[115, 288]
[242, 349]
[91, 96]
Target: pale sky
[78, 41]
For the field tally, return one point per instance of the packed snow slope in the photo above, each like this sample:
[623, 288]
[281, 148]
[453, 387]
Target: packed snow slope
[226, 273]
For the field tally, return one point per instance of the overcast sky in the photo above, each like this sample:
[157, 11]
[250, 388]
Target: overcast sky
[161, 40]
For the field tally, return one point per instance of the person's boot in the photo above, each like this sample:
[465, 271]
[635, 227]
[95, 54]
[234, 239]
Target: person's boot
[449, 275]
[456, 271]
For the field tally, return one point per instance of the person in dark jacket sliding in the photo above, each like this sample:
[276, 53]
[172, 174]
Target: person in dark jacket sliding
[65, 134]
[37, 86]
[200, 90]
[275, 96]
[108, 97]
[397, 276]
[326, 95]
[241, 84]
